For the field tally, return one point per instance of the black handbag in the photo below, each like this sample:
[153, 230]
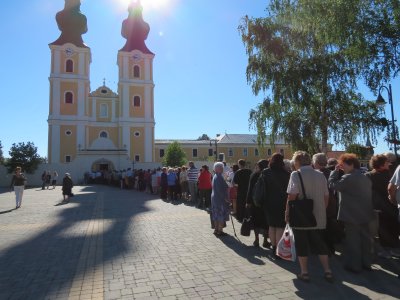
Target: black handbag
[301, 210]
[247, 226]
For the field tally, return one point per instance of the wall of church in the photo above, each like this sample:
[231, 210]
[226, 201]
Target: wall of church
[112, 132]
[136, 111]
[137, 141]
[69, 108]
[68, 144]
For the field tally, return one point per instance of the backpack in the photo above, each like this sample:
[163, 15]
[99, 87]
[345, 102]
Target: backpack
[259, 191]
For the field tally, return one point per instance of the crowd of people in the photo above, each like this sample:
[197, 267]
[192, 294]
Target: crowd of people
[352, 206]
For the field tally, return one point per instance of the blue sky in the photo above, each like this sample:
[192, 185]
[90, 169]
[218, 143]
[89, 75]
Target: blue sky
[199, 67]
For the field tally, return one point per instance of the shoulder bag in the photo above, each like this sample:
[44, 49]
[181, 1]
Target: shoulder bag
[301, 210]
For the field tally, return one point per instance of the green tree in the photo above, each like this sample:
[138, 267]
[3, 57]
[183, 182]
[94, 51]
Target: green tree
[359, 150]
[203, 137]
[25, 156]
[174, 155]
[1, 154]
[312, 86]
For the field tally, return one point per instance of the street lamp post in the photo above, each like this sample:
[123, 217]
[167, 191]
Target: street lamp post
[381, 101]
[216, 148]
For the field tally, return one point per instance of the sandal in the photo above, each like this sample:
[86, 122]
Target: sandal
[303, 277]
[329, 277]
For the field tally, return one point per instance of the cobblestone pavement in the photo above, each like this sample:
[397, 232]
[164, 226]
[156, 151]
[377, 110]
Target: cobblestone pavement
[118, 244]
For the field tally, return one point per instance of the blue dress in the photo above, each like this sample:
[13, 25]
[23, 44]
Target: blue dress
[219, 206]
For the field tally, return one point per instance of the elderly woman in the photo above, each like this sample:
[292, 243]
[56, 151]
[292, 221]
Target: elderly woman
[309, 239]
[355, 211]
[219, 200]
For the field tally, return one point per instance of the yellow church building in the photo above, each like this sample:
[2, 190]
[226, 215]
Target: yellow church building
[100, 129]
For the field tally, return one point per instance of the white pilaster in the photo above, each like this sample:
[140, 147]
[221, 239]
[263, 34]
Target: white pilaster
[81, 64]
[80, 136]
[147, 68]
[81, 98]
[147, 102]
[126, 140]
[56, 98]
[148, 144]
[125, 67]
[125, 101]
[55, 145]
[56, 61]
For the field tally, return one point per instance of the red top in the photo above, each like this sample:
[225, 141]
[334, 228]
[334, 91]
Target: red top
[205, 180]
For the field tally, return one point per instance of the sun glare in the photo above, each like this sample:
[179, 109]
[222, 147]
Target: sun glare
[147, 4]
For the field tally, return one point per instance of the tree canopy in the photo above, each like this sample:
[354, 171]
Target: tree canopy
[203, 137]
[174, 155]
[307, 56]
[24, 156]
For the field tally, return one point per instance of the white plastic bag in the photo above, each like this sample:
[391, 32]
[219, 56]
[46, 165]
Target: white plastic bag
[285, 248]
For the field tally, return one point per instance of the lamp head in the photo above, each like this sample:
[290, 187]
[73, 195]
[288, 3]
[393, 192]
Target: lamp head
[380, 101]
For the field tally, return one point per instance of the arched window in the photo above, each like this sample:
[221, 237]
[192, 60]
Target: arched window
[136, 101]
[136, 71]
[103, 134]
[69, 66]
[69, 98]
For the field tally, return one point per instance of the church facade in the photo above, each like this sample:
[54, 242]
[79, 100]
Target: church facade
[100, 129]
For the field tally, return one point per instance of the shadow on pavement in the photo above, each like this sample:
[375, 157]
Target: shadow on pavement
[47, 262]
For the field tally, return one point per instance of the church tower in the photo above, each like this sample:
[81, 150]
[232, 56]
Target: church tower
[136, 88]
[69, 85]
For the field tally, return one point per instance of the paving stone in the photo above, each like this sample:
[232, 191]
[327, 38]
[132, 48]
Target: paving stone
[109, 244]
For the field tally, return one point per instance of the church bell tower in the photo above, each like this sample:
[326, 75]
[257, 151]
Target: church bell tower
[136, 88]
[69, 85]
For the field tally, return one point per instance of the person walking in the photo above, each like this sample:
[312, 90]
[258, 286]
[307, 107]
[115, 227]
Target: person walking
[18, 184]
[219, 200]
[355, 211]
[67, 186]
[54, 179]
[309, 239]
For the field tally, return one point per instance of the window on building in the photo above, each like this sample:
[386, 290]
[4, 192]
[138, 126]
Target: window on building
[162, 152]
[68, 132]
[269, 152]
[256, 153]
[136, 71]
[245, 152]
[67, 158]
[69, 98]
[136, 134]
[136, 101]
[281, 151]
[137, 157]
[69, 66]
[194, 152]
[230, 152]
[103, 110]
[103, 134]
[210, 152]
